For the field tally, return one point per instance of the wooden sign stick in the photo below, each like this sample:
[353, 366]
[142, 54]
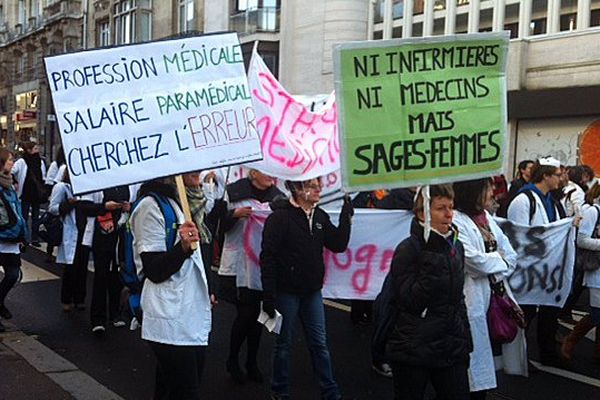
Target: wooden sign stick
[185, 206]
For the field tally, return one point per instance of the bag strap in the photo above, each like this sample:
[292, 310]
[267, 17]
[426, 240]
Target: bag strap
[594, 236]
[170, 218]
[532, 204]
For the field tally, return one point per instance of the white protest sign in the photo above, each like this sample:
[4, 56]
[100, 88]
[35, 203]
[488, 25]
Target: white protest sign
[297, 143]
[133, 113]
[546, 256]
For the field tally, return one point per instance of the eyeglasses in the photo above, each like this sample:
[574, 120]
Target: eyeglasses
[558, 175]
[314, 186]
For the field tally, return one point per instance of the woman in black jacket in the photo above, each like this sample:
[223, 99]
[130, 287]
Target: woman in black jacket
[431, 339]
[292, 272]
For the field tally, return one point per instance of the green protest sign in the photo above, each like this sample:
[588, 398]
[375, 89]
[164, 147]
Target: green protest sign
[421, 111]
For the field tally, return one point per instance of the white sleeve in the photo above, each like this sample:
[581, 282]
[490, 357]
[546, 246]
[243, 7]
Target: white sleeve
[478, 263]
[148, 227]
[56, 197]
[505, 248]
[51, 174]
[586, 229]
[518, 210]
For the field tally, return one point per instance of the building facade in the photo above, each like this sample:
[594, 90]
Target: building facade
[553, 65]
[29, 31]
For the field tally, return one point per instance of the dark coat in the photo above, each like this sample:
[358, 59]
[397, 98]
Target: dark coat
[291, 259]
[432, 329]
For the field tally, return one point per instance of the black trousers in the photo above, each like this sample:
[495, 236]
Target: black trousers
[450, 383]
[12, 267]
[576, 290]
[74, 278]
[245, 326]
[178, 371]
[107, 283]
[547, 326]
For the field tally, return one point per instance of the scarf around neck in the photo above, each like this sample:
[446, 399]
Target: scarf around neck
[197, 202]
[6, 180]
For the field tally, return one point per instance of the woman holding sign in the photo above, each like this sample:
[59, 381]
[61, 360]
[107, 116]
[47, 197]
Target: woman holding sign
[430, 340]
[243, 196]
[175, 297]
[292, 272]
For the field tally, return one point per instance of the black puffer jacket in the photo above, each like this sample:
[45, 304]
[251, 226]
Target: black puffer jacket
[291, 259]
[431, 329]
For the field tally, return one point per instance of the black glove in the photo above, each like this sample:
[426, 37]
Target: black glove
[268, 306]
[347, 208]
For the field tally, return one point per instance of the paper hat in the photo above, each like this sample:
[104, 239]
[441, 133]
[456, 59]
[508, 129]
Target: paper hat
[550, 161]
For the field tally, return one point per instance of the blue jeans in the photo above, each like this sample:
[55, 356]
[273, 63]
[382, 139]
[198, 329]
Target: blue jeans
[309, 307]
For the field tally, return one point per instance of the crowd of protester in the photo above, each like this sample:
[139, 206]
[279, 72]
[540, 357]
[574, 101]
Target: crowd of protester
[439, 287]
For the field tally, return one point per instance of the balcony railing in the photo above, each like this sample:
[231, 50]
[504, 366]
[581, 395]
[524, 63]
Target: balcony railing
[265, 19]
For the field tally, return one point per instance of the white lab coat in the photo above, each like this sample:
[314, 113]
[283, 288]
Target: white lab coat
[591, 279]
[19, 171]
[478, 266]
[574, 199]
[178, 310]
[66, 251]
[518, 211]
[233, 258]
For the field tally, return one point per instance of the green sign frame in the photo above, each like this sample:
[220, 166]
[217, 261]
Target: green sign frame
[421, 111]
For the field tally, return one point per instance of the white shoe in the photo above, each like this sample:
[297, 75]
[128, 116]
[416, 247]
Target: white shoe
[383, 369]
[98, 330]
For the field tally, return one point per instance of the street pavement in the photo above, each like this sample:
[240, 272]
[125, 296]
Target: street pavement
[49, 354]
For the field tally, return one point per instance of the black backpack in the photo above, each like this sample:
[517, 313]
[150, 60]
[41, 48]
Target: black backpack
[533, 205]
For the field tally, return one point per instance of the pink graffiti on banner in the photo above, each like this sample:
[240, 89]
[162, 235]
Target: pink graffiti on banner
[356, 273]
[297, 143]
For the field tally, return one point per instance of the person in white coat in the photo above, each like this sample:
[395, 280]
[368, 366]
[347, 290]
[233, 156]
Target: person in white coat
[175, 298]
[29, 172]
[536, 208]
[588, 238]
[71, 255]
[573, 201]
[488, 253]
[243, 197]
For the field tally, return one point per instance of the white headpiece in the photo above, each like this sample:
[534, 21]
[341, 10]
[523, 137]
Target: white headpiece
[550, 161]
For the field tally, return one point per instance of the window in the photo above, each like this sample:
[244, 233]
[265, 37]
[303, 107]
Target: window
[243, 5]
[132, 21]
[103, 31]
[22, 12]
[186, 15]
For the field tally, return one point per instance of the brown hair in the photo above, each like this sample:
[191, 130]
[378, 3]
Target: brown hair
[444, 190]
[593, 193]
[27, 146]
[540, 171]
[5, 155]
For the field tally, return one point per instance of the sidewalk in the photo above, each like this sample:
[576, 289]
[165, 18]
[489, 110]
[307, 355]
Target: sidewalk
[30, 370]
[19, 379]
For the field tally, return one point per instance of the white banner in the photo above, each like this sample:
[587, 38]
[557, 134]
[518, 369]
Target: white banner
[297, 143]
[543, 274]
[358, 273]
[133, 113]
[546, 256]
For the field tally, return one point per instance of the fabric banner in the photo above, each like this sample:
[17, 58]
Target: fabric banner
[543, 275]
[546, 257]
[358, 273]
[297, 143]
[133, 113]
[422, 110]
